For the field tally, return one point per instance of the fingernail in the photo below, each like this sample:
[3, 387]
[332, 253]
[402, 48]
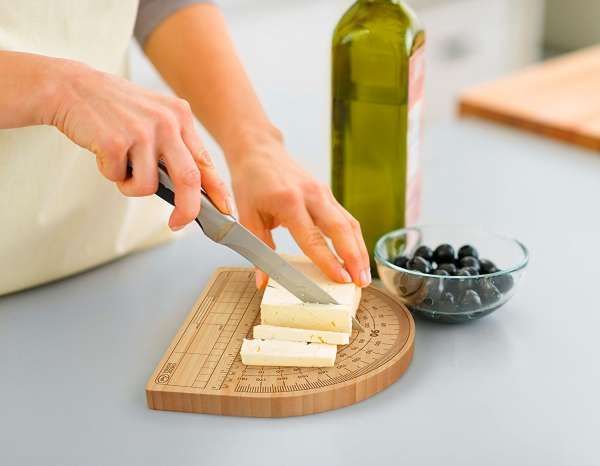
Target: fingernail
[260, 280]
[229, 205]
[365, 277]
[174, 226]
[345, 276]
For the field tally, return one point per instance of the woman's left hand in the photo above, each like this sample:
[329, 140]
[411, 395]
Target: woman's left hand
[272, 190]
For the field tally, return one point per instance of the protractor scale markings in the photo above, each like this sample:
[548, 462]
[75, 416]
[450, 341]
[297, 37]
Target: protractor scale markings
[202, 370]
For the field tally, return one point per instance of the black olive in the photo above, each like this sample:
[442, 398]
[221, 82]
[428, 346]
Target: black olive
[401, 261]
[424, 252]
[503, 282]
[467, 250]
[470, 261]
[487, 266]
[428, 302]
[448, 267]
[446, 302]
[441, 272]
[444, 254]
[470, 301]
[458, 287]
[488, 292]
[419, 264]
[471, 270]
[434, 291]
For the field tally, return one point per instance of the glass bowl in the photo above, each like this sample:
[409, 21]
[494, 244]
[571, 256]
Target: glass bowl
[442, 298]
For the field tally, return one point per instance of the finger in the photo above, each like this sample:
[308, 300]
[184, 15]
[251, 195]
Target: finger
[186, 182]
[261, 279]
[336, 226]
[114, 166]
[356, 229]
[144, 177]
[311, 241]
[358, 236]
[255, 224]
[211, 182]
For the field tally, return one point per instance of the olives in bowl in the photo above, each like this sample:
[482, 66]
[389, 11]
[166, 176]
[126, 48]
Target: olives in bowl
[450, 273]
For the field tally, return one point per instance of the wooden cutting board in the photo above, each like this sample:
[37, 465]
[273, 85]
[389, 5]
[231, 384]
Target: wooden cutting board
[202, 372]
[559, 98]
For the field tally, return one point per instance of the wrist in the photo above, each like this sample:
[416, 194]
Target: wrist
[250, 141]
[47, 84]
[29, 84]
[60, 79]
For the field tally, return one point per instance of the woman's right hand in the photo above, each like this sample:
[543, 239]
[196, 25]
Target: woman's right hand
[120, 121]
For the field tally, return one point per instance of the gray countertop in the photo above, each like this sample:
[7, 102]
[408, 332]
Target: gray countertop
[518, 387]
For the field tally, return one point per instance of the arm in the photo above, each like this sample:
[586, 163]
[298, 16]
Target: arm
[193, 52]
[28, 89]
[117, 121]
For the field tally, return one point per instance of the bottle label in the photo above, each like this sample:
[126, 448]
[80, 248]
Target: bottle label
[416, 91]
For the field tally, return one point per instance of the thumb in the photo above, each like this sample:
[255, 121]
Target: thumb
[256, 226]
[261, 279]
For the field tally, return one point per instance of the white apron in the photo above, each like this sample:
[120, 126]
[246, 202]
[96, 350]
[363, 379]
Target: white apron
[58, 215]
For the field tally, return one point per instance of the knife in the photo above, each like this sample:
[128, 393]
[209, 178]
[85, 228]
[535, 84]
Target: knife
[226, 230]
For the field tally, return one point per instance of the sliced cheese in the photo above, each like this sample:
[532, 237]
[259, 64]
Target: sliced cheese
[287, 353]
[281, 308]
[272, 332]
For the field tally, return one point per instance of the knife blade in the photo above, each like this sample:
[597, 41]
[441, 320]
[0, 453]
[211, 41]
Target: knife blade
[226, 230]
[262, 256]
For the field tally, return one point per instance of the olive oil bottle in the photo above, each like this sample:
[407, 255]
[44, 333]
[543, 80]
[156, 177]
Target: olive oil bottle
[377, 91]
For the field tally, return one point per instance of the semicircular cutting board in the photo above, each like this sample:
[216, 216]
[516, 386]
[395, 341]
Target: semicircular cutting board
[202, 372]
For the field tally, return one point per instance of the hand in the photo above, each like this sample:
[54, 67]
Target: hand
[271, 189]
[118, 120]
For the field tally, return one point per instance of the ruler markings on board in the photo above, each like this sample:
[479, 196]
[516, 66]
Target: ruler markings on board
[229, 360]
[231, 307]
[236, 325]
[250, 318]
[341, 378]
[202, 370]
[350, 374]
[197, 313]
[205, 370]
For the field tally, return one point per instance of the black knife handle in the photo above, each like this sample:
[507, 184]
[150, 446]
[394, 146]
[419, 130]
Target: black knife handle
[163, 192]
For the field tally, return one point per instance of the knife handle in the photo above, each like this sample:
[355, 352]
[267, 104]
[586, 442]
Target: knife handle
[164, 192]
[213, 222]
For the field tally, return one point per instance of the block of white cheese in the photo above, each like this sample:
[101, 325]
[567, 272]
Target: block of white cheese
[272, 332]
[281, 308]
[287, 353]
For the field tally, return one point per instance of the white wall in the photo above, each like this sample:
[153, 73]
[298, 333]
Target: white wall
[285, 48]
[285, 45]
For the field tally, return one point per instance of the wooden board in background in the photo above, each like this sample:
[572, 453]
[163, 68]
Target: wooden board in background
[559, 98]
[202, 372]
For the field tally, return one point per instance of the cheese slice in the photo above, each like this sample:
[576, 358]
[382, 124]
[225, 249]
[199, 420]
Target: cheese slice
[271, 332]
[281, 308]
[287, 353]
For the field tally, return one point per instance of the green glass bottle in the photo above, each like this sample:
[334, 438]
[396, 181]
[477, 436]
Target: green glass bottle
[377, 90]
